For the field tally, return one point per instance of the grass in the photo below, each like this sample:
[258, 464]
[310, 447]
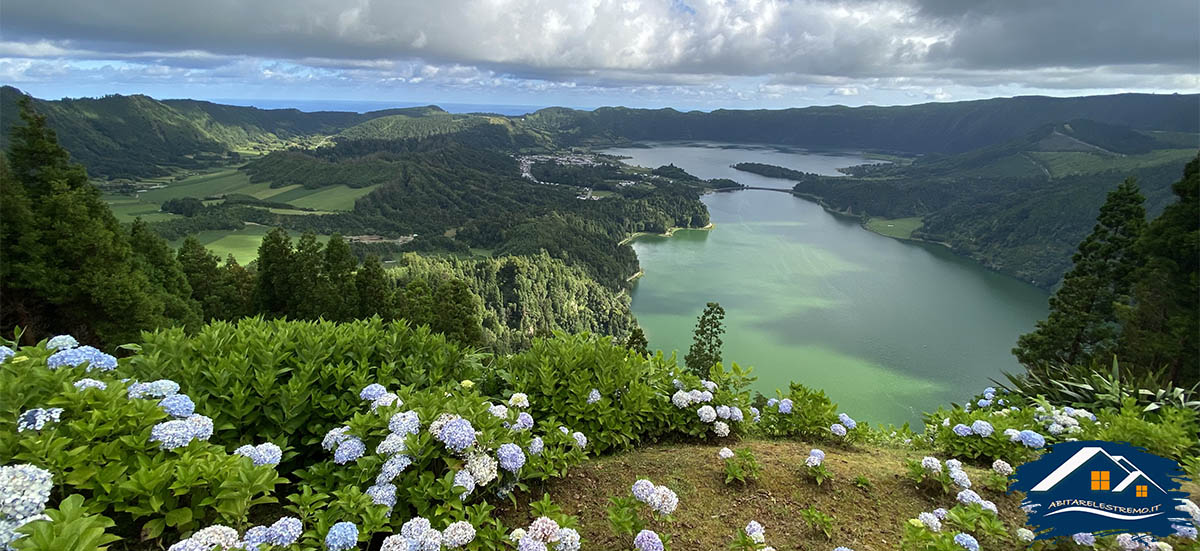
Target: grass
[1063, 163]
[242, 244]
[900, 228]
[710, 512]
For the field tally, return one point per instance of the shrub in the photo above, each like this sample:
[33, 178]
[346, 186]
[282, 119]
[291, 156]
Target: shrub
[944, 530]
[802, 413]
[814, 467]
[1168, 431]
[818, 521]
[743, 467]
[67, 528]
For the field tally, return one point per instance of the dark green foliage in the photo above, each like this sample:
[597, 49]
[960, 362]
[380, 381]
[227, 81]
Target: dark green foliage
[673, 172]
[637, 342]
[1082, 323]
[68, 264]
[446, 305]
[306, 299]
[154, 257]
[272, 285]
[187, 206]
[224, 292]
[742, 468]
[705, 351]
[374, 290]
[574, 175]
[812, 414]
[1163, 326]
[337, 281]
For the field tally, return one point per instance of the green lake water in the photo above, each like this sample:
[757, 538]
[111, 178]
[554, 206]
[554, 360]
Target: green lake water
[887, 328]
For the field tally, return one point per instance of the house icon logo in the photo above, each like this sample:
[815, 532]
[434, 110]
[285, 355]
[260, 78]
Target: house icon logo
[1102, 488]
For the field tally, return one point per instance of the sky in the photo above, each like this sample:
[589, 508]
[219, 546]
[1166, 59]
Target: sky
[686, 54]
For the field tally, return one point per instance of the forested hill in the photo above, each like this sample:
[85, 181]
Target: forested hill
[927, 128]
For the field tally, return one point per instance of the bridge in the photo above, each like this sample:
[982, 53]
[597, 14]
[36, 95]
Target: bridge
[722, 190]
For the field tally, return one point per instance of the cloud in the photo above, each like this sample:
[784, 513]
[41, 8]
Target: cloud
[849, 46]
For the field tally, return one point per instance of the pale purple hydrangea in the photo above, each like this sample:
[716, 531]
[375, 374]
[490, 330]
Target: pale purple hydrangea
[37, 418]
[61, 342]
[1085, 539]
[707, 414]
[178, 405]
[524, 422]
[785, 405]
[405, 422]
[84, 384]
[334, 437]
[721, 429]
[647, 540]
[24, 490]
[755, 414]
[581, 441]
[967, 497]
[536, 446]
[463, 479]
[931, 464]
[457, 434]
[820, 455]
[6, 353]
[722, 412]
[966, 541]
[593, 396]
[383, 494]
[392, 444]
[499, 411]
[837, 429]
[543, 529]
[940, 513]
[458, 534]
[568, 540]
[392, 468]
[1032, 439]
[342, 536]
[849, 423]
[1001, 467]
[643, 490]
[350, 449]
[387, 400]
[511, 457]
[725, 453]
[372, 392]
[736, 415]
[262, 454]
[962, 430]
[74, 357]
[156, 389]
[960, 478]
[286, 531]
[663, 501]
[982, 428]
[756, 531]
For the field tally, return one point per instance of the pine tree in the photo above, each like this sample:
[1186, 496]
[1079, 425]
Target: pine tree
[706, 341]
[458, 312]
[154, 257]
[237, 290]
[374, 290]
[637, 342]
[272, 285]
[1082, 325]
[337, 280]
[415, 302]
[308, 300]
[1162, 327]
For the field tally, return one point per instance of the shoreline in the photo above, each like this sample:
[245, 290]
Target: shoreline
[669, 233]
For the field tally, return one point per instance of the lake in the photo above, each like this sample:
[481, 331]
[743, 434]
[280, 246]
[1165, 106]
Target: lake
[887, 328]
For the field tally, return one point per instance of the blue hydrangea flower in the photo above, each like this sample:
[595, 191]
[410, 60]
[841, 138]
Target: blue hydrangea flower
[820, 455]
[736, 415]
[388, 399]
[967, 497]
[984, 403]
[707, 414]
[663, 501]
[593, 396]
[342, 536]
[383, 494]
[372, 392]
[262, 454]
[458, 534]
[962, 430]
[256, 536]
[74, 357]
[84, 384]
[536, 445]
[529, 544]
[755, 531]
[648, 540]
[568, 540]
[511, 457]
[931, 464]
[989, 506]
[519, 400]
[960, 478]
[334, 437]
[349, 450]
[6, 353]
[982, 428]
[172, 434]
[201, 426]
[966, 541]
[60, 342]
[709, 385]
[37, 418]
[413, 529]
[465, 480]
[499, 411]
[722, 412]
[837, 429]
[24, 490]
[642, 490]
[847, 421]
[1184, 531]
[580, 440]
[178, 405]
[785, 405]
[1032, 439]
[406, 422]
[930, 521]
[940, 513]
[392, 444]
[458, 434]
[524, 421]
[156, 389]
[392, 468]
[772, 402]
[755, 414]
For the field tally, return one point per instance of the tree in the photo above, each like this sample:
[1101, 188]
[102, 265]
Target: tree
[187, 206]
[415, 302]
[154, 257]
[272, 286]
[374, 290]
[1082, 324]
[1162, 326]
[637, 342]
[458, 312]
[706, 341]
[307, 300]
[337, 280]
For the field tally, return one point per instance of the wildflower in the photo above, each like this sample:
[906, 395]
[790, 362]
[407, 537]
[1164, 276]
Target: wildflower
[593, 396]
[84, 384]
[499, 411]
[982, 428]
[544, 529]
[349, 450]
[1084, 538]
[725, 453]
[61, 342]
[961, 430]
[930, 521]
[405, 422]
[391, 444]
[847, 421]
[1002, 467]
[568, 540]
[1032, 439]
[663, 500]
[458, 434]
[967, 497]
[940, 513]
[386, 400]
[960, 478]
[178, 405]
[1025, 535]
[286, 531]
[463, 479]
[334, 437]
[721, 429]
[458, 534]
[519, 400]
[931, 464]
[392, 468]
[536, 445]
[838, 429]
[966, 541]
[75, 357]
[735, 414]
[37, 418]
[647, 540]
[785, 405]
[482, 467]
[383, 494]
[262, 454]
[511, 457]
[707, 414]
[372, 392]
[643, 489]
[5, 353]
[580, 439]
[755, 531]
[24, 490]
[681, 399]
[723, 412]
[342, 536]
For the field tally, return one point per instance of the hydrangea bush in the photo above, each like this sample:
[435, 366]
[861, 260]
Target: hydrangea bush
[801, 413]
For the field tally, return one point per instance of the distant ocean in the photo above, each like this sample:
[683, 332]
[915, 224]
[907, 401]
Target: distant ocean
[366, 106]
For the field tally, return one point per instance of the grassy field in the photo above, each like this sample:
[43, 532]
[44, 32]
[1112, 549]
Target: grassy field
[1062, 163]
[242, 244]
[901, 228]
